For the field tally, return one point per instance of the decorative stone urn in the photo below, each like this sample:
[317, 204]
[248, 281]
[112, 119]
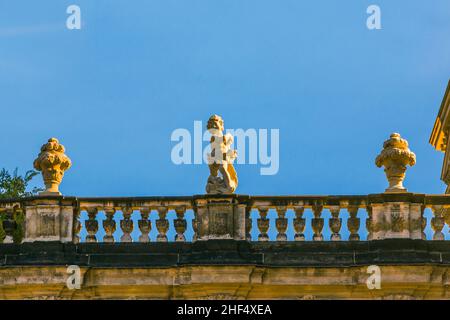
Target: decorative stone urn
[52, 162]
[395, 156]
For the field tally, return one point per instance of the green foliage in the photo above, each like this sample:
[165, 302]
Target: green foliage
[2, 231]
[18, 233]
[15, 185]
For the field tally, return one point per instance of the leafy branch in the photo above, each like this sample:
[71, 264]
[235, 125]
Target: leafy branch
[15, 186]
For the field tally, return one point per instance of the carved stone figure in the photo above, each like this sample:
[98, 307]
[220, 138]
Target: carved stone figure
[52, 162]
[395, 156]
[220, 160]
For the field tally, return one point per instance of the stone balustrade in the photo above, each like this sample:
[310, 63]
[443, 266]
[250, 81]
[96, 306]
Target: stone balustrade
[226, 244]
[221, 214]
[145, 208]
[238, 217]
[221, 243]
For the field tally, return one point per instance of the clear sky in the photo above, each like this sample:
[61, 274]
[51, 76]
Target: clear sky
[114, 91]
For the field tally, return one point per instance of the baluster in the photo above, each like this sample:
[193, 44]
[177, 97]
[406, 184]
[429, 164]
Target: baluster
[299, 224]
[353, 223]
[109, 225]
[8, 226]
[369, 224]
[2, 227]
[446, 215]
[180, 224]
[126, 225]
[317, 223]
[194, 228]
[248, 224]
[76, 226]
[281, 223]
[19, 221]
[335, 223]
[263, 224]
[424, 223]
[437, 222]
[162, 224]
[91, 225]
[145, 225]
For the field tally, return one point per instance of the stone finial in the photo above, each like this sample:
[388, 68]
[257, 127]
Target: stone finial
[52, 162]
[395, 156]
[220, 160]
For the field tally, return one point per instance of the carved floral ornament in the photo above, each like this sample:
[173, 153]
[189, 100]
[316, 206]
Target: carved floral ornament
[52, 162]
[395, 156]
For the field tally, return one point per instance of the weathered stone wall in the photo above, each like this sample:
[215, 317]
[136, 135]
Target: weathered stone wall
[227, 269]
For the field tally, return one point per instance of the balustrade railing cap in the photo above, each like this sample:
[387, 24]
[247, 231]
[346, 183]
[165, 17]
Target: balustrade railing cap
[262, 200]
[35, 199]
[396, 197]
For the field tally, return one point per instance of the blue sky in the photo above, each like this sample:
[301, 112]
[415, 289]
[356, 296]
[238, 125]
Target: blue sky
[114, 91]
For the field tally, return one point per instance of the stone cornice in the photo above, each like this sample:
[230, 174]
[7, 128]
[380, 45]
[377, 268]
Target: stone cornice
[228, 252]
[441, 124]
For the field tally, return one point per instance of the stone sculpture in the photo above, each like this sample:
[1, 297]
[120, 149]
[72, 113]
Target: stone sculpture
[52, 162]
[395, 156]
[220, 160]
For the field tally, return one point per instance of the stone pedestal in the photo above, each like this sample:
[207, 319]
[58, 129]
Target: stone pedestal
[395, 217]
[220, 217]
[49, 219]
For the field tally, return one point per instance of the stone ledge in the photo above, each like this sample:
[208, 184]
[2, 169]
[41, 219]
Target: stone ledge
[225, 282]
[228, 252]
